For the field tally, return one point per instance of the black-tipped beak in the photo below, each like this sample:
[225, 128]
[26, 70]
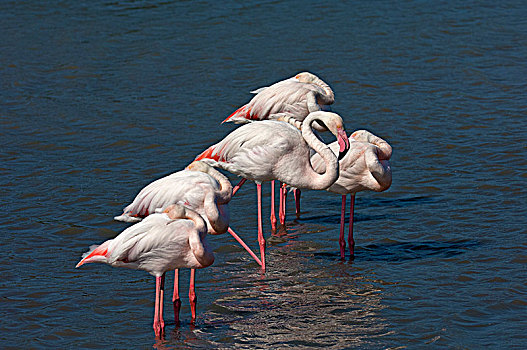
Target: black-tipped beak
[344, 143]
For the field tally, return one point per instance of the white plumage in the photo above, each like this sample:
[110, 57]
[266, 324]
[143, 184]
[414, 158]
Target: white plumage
[199, 187]
[297, 96]
[366, 167]
[161, 242]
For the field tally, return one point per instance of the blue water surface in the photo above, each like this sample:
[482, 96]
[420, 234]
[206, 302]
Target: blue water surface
[98, 99]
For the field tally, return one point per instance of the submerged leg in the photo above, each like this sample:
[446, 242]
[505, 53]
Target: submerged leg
[261, 239]
[351, 241]
[159, 323]
[237, 187]
[283, 201]
[192, 294]
[342, 242]
[297, 193]
[281, 209]
[175, 297]
[242, 243]
[273, 216]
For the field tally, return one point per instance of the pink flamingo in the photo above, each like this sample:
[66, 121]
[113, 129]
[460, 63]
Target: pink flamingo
[161, 242]
[300, 95]
[276, 150]
[199, 187]
[297, 96]
[365, 167]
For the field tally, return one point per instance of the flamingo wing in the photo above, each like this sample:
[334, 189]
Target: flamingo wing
[251, 150]
[182, 186]
[362, 168]
[289, 96]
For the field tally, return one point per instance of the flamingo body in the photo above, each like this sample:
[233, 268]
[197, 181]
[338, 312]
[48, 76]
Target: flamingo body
[276, 150]
[201, 188]
[298, 96]
[366, 166]
[159, 243]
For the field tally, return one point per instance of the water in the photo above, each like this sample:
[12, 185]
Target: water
[99, 99]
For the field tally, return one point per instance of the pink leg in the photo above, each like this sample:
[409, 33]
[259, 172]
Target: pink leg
[351, 241]
[192, 294]
[159, 323]
[273, 216]
[261, 239]
[283, 199]
[175, 297]
[237, 187]
[281, 207]
[242, 243]
[342, 242]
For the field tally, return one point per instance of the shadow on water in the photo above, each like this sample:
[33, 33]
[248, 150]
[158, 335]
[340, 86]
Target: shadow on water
[403, 251]
[397, 202]
[367, 203]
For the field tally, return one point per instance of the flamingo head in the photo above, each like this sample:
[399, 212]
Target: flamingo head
[175, 211]
[198, 166]
[334, 123]
[305, 77]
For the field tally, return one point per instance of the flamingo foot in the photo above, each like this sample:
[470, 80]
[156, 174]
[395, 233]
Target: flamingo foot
[159, 329]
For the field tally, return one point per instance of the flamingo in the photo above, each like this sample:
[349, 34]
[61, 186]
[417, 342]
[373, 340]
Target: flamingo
[173, 239]
[199, 187]
[365, 167]
[298, 96]
[276, 150]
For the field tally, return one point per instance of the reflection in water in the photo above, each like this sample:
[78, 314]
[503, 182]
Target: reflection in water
[285, 308]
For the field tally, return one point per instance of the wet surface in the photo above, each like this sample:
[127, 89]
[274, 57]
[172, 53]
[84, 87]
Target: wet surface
[98, 100]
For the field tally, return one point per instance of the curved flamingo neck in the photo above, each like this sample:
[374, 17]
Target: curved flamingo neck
[197, 236]
[217, 220]
[384, 151]
[224, 195]
[319, 181]
[329, 97]
[288, 119]
[379, 168]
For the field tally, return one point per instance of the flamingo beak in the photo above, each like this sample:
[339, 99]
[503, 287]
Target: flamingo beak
[344, 143]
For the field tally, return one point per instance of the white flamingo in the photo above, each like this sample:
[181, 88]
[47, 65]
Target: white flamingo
[297, 96]
[300, 95]
[366, 167]
[161, 242]
[199, 187]
[276, 150]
